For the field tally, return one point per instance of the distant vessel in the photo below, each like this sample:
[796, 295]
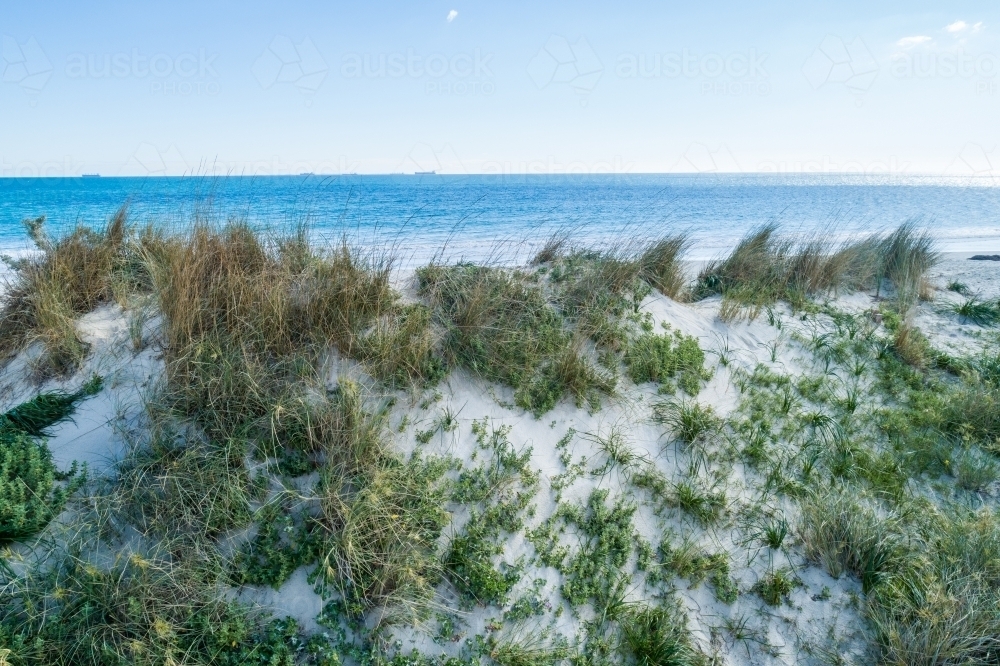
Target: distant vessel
[91, 175]
[307, 173]
[424, 173]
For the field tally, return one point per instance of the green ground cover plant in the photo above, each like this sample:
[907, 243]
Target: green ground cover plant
[32, 490]
[499, 492]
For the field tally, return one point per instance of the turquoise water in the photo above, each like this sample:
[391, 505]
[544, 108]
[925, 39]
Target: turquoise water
[502, 216]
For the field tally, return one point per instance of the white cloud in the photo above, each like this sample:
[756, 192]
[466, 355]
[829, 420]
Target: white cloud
[451, 15]
[916, 40]
[977, 26]
[957, 26]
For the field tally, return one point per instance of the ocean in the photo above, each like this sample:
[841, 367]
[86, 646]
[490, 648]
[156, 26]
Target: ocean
[505, 218]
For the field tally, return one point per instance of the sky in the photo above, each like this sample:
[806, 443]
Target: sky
[467, 86]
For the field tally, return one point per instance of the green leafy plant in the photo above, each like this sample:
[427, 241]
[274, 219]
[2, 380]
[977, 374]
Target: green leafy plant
[660, 358]
[32, 492]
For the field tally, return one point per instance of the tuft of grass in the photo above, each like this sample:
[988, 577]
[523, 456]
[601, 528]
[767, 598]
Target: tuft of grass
[380, 516]
[186, 490]
[658, 636]
[45, 410]
[904, 258]
[847, 535]
[689, 420]
[660, 266]
[527, 648]
[701, 501]
[247, 319]
[974, 470]
[978, 312]
[401, 349]
[959, 288]
[140, 609]
[551, 250]
[911, 345]
[775, 586]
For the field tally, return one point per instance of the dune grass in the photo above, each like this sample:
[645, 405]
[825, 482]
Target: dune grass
[142, 609]
[931, 578]
[501, 327]
[766, 267]
[67, 277]
[978, 312]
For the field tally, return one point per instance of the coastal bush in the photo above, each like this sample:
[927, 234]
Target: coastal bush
[498, 492]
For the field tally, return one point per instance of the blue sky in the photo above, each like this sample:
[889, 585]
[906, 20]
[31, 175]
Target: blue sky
[137, 88]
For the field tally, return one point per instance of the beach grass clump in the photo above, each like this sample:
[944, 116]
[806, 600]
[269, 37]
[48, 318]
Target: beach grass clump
[247, 319]
[501, 327]
[905, 256]
[599, 293]
[658, 635]
[941, 603]
[689, 420]
[978, 312]
[660, 265]
[959, 288]
[65, 278]
[187, 490]
[848, 535]
[140, 609]
[401, 348]
[775, 586]
[380, 516]
[372, 525]
[766, 267]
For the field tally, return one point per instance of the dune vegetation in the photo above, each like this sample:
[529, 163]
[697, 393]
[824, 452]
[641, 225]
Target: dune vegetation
[301, 417]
